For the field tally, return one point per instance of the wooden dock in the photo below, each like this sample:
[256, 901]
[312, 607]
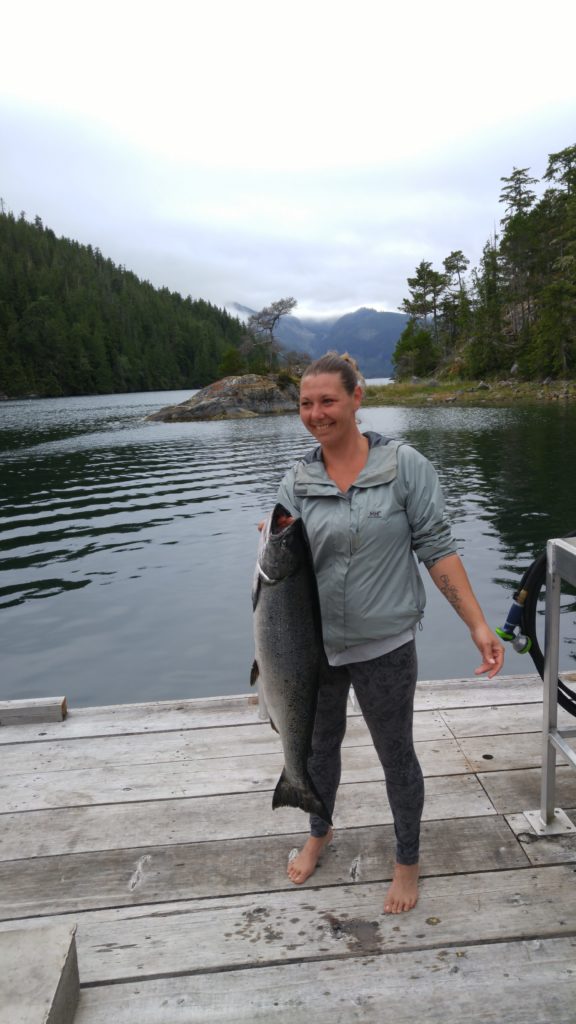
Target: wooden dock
[149, 827]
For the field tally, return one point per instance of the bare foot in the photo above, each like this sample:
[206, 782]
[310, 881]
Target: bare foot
[304, 863]
[403, 892]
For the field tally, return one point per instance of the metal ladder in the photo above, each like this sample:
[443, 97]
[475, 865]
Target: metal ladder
[561, 565]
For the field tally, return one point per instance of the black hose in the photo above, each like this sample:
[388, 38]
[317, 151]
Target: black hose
[531, 583]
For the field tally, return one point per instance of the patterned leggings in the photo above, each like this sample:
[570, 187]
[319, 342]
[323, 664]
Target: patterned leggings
[384, 688]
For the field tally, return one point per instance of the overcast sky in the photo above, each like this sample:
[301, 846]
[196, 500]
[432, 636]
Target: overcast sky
[245, 150]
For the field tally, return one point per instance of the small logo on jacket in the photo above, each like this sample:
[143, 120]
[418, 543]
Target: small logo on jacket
[375, 515]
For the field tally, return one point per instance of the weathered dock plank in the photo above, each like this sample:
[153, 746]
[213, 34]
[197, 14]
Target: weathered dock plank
[544, 849]
[151, 825]
[152, 716]
[507, 981]
[228, 816]
[181, 777]
[503, 753]
[513, 791]
[71, 883]
[440, 694]
[171, 780]
[337, 922]
[164, 716]
[494, 721]
[182, 745]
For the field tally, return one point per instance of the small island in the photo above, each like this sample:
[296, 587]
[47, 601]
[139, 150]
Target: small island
[233, 398]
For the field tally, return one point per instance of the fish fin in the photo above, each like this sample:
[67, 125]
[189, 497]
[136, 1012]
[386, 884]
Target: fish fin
[306, 798]
[273, 726]
[254, 672]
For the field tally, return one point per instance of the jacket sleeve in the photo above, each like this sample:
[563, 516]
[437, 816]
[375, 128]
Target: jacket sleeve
[431, 531]
[285, 495]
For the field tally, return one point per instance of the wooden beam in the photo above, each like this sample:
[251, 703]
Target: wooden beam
[36, 709]
[39, 977]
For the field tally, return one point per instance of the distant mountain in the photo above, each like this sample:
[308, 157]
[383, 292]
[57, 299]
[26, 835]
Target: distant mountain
[368, 335]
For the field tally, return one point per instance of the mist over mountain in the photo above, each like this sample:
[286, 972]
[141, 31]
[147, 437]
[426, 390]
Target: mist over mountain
[367, 334]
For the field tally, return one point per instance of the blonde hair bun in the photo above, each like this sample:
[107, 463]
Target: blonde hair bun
[360, 376]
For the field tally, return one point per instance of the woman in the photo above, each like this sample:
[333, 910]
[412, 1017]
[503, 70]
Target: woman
[369, 503]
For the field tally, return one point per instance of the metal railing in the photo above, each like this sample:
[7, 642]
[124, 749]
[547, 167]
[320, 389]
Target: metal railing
[561, 565]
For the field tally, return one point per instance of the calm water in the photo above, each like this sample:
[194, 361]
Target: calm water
[127, 548]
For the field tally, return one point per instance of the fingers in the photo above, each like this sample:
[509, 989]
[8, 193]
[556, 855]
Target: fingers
[491, 649]
[493, 659]
[282, 522]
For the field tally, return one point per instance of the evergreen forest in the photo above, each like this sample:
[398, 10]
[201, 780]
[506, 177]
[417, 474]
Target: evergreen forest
[72, 322]
[514, 314]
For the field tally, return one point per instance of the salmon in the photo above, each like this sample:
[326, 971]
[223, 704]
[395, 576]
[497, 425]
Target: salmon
[290, 654]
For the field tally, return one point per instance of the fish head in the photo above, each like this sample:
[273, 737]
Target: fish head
[282, 548]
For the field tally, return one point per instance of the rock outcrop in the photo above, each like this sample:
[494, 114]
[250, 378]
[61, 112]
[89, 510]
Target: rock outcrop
[234, 398]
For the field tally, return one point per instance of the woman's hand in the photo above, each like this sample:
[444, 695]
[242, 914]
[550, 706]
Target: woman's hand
[491, 649]
[282, 522]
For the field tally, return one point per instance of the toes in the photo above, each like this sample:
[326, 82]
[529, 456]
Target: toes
[295, 874]
[399, 906]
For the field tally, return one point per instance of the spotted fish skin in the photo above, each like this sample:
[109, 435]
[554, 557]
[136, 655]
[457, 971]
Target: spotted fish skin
[290, 654]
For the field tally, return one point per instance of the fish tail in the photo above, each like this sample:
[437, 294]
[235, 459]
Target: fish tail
[305, 797]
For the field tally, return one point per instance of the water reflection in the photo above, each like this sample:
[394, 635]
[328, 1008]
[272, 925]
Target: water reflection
[508, 476]
[127, 548]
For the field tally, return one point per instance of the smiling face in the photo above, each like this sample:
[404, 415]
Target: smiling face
[327, 409]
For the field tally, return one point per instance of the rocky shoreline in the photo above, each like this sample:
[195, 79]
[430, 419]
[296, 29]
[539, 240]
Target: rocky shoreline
[233, 398]
[250, 395]
[471, 393]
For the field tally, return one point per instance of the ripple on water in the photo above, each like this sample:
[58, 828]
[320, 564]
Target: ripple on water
[127, 547]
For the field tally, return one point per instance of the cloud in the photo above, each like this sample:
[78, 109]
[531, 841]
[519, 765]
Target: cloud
[242, 152]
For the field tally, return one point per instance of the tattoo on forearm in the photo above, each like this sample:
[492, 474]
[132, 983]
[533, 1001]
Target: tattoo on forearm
[451, 593]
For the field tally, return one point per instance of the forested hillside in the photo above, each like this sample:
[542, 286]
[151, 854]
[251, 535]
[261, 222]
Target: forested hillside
[72, 322]
[516, 312]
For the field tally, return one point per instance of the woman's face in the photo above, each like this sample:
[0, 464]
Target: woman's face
[327, 410]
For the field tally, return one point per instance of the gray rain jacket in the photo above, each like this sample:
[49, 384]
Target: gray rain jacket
[363, 542]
